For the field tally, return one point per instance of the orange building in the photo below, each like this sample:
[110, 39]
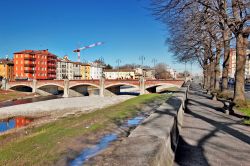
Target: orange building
[32, 64]
[6, 69]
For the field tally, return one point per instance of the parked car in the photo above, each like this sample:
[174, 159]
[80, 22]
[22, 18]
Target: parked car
[231, 81]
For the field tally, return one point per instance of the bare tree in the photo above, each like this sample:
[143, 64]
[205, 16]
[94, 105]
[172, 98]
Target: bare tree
[161, 71]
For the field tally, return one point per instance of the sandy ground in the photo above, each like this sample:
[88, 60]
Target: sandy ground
[61, 107]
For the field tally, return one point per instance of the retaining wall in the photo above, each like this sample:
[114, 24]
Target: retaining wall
[154, 142]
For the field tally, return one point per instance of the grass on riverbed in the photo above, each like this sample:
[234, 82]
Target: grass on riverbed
[10, 95]
[44, 145]
[246, 111]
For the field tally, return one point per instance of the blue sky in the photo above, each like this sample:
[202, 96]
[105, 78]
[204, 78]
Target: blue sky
[126, 26]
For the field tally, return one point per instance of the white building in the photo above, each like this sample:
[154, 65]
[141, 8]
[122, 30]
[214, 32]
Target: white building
[95, 71]
[232, 63]
[119, 74]
[64, 69]
[77, 71]
[172, 72]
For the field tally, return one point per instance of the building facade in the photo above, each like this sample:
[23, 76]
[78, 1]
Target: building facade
[7, 69]
[77, 71]
[95, 71]
[119, 74]
[232, 64]
[85, 71]
[64, 69]
[32, 64]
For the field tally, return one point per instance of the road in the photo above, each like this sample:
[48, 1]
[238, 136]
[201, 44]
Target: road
[247, 90]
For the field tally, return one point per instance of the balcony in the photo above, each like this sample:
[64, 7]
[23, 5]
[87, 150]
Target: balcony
[77, 75]
[51, 71]
[29, 65]
[51, 60]
[30, 58]
[29, 71]
[51, 64]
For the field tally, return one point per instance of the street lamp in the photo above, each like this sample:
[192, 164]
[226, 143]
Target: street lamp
[154, 61]
[118, 61]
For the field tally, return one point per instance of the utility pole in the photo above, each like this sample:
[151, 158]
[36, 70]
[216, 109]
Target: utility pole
[142, 58]
[118, 61]
[154, 61]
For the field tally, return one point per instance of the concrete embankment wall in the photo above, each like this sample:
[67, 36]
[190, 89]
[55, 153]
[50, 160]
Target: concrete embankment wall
[154, 142]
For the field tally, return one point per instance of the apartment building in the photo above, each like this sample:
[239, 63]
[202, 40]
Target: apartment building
[119, 74]
[95, 71]
[232, 63]
[34, 64]
[85, 71]
[64, 69]
[6, 69]
[77, 71]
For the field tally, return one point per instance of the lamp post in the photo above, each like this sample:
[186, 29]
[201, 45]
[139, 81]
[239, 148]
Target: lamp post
[118, 61]
[154, 61]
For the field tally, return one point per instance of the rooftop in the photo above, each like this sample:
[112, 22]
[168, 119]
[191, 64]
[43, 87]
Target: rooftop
[33, 52]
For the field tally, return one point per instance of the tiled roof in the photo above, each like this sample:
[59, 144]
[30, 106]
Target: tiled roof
[6, 61]
[32, 52]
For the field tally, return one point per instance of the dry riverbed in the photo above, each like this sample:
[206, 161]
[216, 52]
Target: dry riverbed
[60, 141]
[61, 107]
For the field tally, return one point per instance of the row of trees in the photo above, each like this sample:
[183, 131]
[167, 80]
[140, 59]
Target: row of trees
[203, 31]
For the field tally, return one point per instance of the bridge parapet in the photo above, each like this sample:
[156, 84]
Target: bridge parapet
[101, 84]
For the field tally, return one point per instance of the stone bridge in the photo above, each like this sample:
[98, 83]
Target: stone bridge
[101, 84]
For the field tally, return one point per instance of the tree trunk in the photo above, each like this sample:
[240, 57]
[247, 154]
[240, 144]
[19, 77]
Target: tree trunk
[208, 76]
[226, 41]
[241, 47]
[217, 66]
[212, 74]
[204, 78]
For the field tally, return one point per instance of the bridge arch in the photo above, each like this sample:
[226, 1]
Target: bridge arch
[49, 84]
[84, 89]
[16, 85]
[121, 84]
[21, 87]
[84, 84]
[162, 84]
[152, 88]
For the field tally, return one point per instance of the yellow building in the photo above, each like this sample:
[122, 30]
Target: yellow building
[6, 69]
[85, 71]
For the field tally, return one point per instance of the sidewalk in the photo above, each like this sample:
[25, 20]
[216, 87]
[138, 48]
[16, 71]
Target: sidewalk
[210, 137]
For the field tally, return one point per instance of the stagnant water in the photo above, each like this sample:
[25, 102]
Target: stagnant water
[28, 100]
[16, 122]
[103, 143]
[90, 152]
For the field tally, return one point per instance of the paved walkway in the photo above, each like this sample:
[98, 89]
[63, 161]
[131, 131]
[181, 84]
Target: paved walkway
[210, 137]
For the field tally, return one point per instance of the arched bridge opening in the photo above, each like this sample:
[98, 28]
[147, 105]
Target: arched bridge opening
[160, 88]
[84, 90]
[122, 89]
[50, 89]
[21, 88]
